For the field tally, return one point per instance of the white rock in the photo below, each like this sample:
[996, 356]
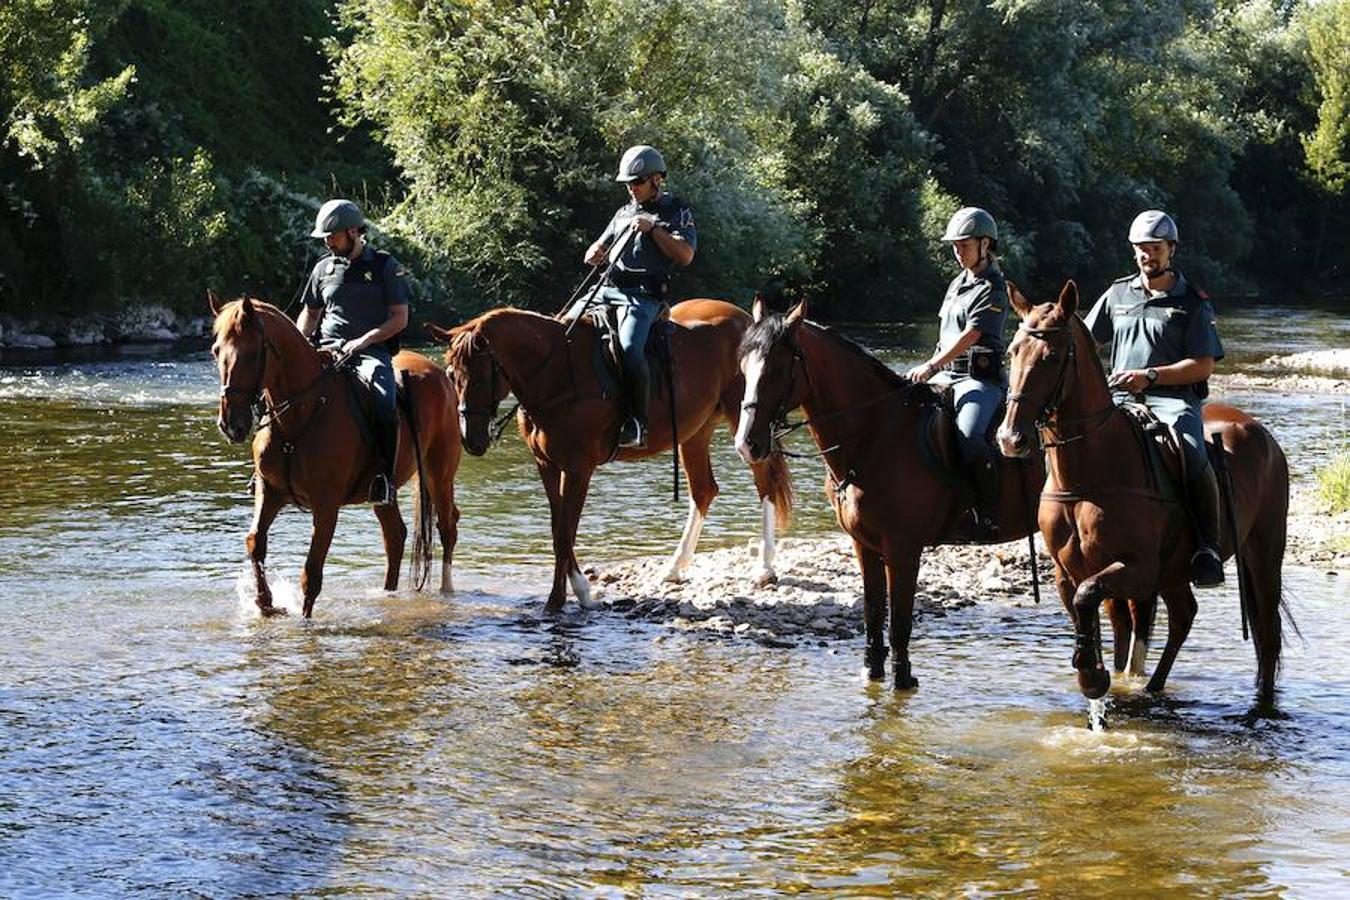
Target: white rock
[30, 341]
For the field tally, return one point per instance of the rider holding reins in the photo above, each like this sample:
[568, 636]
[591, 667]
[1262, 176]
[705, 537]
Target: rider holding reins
[1163, 348]
[969, 354]
[644, 240]
[361, 297]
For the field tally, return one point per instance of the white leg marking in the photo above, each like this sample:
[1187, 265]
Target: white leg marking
[684, 553]
[1138, 657]
[581, 586]
[752, 367]
[447, 586]
[763, 572]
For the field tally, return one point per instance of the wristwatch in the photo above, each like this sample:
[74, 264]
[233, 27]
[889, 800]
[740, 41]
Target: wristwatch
[1151, 374]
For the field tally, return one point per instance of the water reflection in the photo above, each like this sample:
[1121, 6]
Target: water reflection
[157, 737]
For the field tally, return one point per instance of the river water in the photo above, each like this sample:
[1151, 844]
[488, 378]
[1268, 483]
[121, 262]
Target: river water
[157, 738]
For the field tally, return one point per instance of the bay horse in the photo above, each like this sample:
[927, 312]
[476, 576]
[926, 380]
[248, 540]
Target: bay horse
[890, 492]
[311, 449]
[571, 426]
[1111, 531]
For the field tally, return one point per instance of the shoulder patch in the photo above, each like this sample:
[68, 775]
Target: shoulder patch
[1124, 278]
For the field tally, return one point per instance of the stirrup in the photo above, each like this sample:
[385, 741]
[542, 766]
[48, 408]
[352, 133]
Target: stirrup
[633, 434]
[381, 490]
[1206, 568]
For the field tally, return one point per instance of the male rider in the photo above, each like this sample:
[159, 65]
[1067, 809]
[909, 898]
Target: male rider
[1163, 348]
[361, 297]
[645, 239]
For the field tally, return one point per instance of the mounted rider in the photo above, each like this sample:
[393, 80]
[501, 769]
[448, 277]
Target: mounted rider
[644, 240]
[969, 353]
[1163, 348]
[360, 295]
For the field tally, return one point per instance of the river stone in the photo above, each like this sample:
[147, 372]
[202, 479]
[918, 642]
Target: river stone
[30, 341]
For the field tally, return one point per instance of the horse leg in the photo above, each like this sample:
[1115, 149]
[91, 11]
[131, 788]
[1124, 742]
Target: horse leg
[1118, 611]
[571, 500]
[1181, 608]
[874, 609]
[774, 483]
[702, 489]
[551, 477]
[395, 539]
[321, 537]
[266, 504]
[902, 575]
[1262, 569]
[1116, 580]
[1142, 614]
[447, 524]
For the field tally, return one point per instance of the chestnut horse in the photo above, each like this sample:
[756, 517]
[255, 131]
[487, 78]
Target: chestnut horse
[311, 449]
[1111, 532]
[890, 494]
[571, 426]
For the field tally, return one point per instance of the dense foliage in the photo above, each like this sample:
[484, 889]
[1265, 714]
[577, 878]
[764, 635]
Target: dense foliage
[150, 147]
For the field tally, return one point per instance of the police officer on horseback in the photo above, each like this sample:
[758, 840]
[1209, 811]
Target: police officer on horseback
[644, 240]
[969, 353]
[360, 297]
[1163, 348]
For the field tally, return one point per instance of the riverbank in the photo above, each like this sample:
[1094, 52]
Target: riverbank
[818, 595]
[135, 325]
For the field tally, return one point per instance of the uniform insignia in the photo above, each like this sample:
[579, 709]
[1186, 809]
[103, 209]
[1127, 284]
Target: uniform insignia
[686, 218]
[996, 309]
[370, 276]
[399, 273]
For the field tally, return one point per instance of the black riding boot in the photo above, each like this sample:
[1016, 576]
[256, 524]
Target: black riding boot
[634, 430]
[984, 475]
[1206, 564]
[382, 490]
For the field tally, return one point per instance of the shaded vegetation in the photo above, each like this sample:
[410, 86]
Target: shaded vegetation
[150, 147]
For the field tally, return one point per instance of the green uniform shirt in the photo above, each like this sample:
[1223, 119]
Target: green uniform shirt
[1146, 332]
[355, 295]
[975, 301]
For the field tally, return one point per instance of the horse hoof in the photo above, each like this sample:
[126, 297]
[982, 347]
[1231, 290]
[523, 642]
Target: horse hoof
[674, 576]
[764, 577]
[269, 611]
[875, 673]
[906, 682]
[1094, 683]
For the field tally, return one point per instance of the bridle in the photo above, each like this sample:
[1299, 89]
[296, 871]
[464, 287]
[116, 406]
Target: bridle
[495, 426]
[1048, 422]
[265, 413]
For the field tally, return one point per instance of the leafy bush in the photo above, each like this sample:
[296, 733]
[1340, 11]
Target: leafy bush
[1333, 483]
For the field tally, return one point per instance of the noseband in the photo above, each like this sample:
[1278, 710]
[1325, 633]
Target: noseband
[495, 428]
[1046, 421]
[778, 424]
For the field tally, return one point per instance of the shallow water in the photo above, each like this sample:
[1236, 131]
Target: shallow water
[157, 737]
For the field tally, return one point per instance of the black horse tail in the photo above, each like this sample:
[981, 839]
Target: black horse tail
[424, 519]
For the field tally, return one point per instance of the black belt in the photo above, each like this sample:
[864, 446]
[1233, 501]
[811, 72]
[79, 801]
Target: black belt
[634, 281]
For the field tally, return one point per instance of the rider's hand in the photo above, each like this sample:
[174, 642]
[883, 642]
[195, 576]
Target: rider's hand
[355, 345]
[921, 373]
[596, 253]
[1132, 380]
[644, 222]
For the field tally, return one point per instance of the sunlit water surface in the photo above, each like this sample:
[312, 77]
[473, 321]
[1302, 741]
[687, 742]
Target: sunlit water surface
[156, 737]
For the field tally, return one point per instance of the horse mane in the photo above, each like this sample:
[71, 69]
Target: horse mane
[466, 335]
[230, 322]
[769, 330]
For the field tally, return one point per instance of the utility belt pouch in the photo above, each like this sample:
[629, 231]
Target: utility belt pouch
[980, 363]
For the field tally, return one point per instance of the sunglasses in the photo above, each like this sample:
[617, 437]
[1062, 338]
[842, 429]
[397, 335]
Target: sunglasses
[640, 180]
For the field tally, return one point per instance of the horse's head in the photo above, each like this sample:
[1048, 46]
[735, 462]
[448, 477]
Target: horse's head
[1041, 372]
[770, 357]
[240, 350]
[478, 380]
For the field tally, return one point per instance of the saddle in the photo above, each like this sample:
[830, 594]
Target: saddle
[939, 437]
[607, 353]
[1161, 446]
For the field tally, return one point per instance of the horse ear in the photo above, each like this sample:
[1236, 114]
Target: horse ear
[1020, 304]
[438, 331]
[213, 300]
[1068, 298]
[758, 306]
[248, 308]
[798, 313]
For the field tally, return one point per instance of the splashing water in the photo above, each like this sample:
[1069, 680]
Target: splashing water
[285, 594]
[1097, 715]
